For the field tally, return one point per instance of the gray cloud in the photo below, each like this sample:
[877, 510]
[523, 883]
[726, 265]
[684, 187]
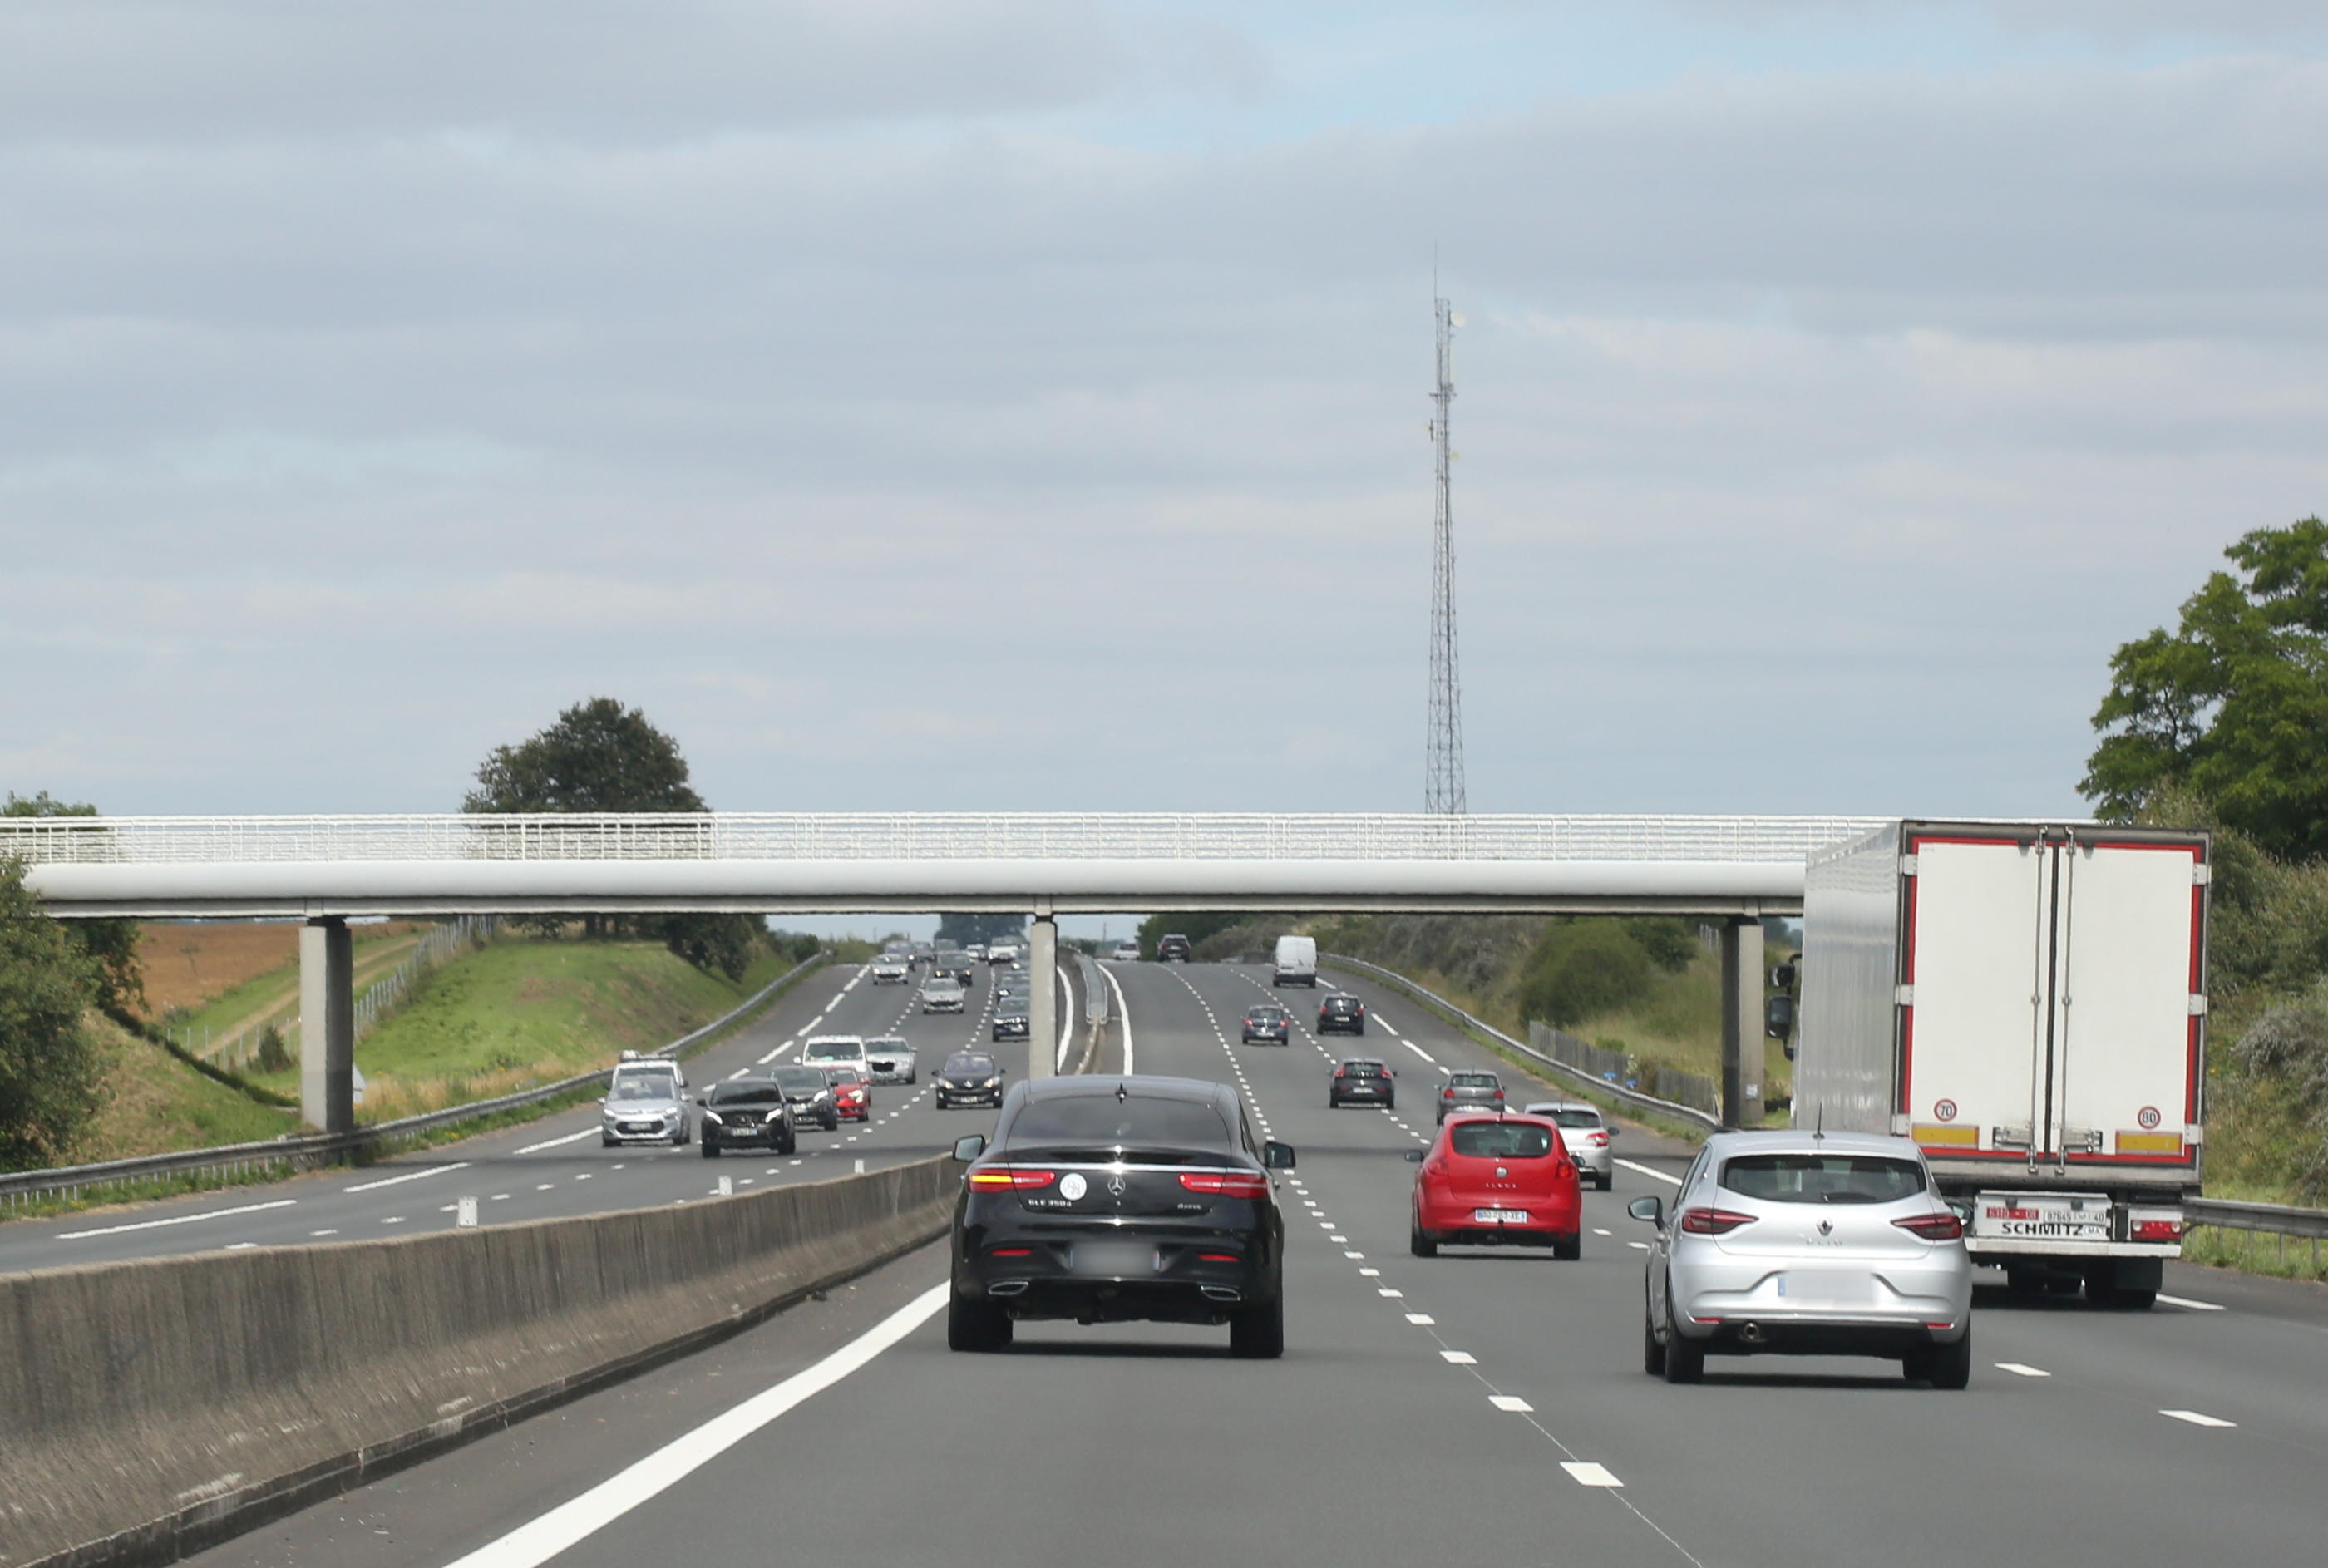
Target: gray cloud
[1822, 432]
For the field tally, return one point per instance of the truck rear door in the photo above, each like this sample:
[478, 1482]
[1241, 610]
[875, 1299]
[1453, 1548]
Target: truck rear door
[1972, 1040]
[2128, 1002]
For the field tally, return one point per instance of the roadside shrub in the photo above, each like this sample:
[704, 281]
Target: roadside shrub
[2287, 1049]
[274, 1051]
[1582, 968]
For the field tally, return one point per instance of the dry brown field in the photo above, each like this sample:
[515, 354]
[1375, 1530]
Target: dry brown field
[186, 965]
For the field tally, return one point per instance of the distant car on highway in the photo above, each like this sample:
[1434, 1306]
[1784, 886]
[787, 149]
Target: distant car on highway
[746, 1113]
[1799, 1243]
[1295, 961]
[892, 1059]
[1470, 1089]
[942, 993]
[1341, 1013]
[1586, 1134]
[1004, 952]
[1172, 947]
[809, 1092]
[1126, 953]
[645, 1107]
[834, 1050]
[1362, 1081]
[1012, 1019]
[1266, 1024]
[975, 950]
[1496, 1181]
[852, 1091]
[968, 1078]
[922, 952]
[954, 967]
[1119, 1200]
[893, 969]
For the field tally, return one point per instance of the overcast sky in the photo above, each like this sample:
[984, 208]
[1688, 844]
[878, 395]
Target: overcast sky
[934, 404]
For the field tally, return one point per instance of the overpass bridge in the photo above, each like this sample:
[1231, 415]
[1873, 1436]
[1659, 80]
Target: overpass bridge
[323, 870]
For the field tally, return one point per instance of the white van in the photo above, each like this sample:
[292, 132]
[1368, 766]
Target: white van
[1297, 960]
[836, 1051]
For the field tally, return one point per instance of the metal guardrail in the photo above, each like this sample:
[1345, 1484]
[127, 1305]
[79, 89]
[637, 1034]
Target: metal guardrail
[918, 836]
[1632, 1097]
[317, 1149]
[2270, 1219]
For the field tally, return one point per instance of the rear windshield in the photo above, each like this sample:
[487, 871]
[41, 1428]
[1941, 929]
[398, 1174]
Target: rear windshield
[1106, 1121]
[1501, 1140]
[1475, 1081]
[833, 1051]
[1575, 1118]
[747, 1095]
[801, 1080]
[1823, 1178]
[1362, 1069]
[1265, 1015]
[845, 1074]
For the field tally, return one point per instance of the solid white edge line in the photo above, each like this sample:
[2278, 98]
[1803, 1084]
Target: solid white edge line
[410, 1176]
[110, 1230]
[1652, 1174]
[554, 1142]
[531, 1544]
[2194, 1306]
[1122, 1017]
[1066, 1015]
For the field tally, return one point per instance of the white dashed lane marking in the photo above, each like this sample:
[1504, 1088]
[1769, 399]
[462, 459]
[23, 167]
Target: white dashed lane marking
[2018, 1370]
[1512, 1403]
[2197, 1418]
[2188, 1304]
[408, 1176]
[1587, 1474]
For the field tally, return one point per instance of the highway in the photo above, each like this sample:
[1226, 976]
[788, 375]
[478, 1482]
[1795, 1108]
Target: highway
[555, 1167]
[1490, 1404]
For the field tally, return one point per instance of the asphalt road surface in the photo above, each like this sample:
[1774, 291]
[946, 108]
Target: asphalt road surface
[1479, 1405]
[555, 1167]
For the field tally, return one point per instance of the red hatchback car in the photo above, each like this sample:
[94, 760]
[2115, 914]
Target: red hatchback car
[852, 1096]
[1497, 1181]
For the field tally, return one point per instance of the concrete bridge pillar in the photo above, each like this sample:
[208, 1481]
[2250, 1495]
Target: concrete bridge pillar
[1741, 1021]
[327, 1026]
[1042, 996]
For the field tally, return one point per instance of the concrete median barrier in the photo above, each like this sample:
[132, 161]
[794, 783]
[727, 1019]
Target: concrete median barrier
[149, 1408]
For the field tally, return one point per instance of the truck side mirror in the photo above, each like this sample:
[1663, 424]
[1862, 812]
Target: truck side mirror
[1779, 1018]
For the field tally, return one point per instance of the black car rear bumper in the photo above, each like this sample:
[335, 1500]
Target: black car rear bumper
[1181, 1288]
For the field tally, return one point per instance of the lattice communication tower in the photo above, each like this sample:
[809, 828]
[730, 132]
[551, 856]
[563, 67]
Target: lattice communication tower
[1443, 787]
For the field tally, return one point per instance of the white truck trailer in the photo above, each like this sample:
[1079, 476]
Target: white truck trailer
[2027, 1001]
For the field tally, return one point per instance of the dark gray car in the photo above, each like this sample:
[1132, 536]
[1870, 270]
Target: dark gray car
[1470, 1089]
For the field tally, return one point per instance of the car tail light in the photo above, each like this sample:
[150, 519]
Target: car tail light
[1012, 1253]
[2156, 1230]
[1600, 1141]
[1340, 1071]
[1712, 1222]
[1226, 1183]
[1020, 1176]
[1500, 1094]
[1218, 1258]
[1447, 1093]
[1940, 1226]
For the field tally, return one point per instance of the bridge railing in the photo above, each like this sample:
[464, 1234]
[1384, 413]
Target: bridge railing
[919, 836]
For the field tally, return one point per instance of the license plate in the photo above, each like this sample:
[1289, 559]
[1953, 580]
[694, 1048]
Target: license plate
[2042, 1216]
[1499, 1216]
[1118, 1258]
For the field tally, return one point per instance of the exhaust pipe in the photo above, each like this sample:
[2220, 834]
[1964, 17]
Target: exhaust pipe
[1222, 1292]
[1749, 1333]
[1007, 1288]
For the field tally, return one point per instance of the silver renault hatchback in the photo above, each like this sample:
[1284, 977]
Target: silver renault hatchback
[1801, 1243]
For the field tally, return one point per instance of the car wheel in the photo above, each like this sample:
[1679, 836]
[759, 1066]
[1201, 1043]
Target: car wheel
[1258, 1333]
[975, 1324]
[1653, 1354]
[604, 1141]
[1685, 1358]
[1420, 1245]
[1568, 1248]
[1390, 1104]
[1608, 1181]
[1949, 1367]
[711, 1149]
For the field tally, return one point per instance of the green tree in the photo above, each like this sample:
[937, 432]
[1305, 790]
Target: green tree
[50, 1069]
[111, 944]
[2233, 704]
[602, 757]
[1582, 968]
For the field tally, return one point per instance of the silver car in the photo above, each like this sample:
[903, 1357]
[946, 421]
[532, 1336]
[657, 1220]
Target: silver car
[645, 1107]
[893, 969]
[942, 993]
[1587, 1137]
[890, 1059]
[1797, 1244]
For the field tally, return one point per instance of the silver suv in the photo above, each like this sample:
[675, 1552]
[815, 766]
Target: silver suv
[1795, 1244]
[1470, 1089]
